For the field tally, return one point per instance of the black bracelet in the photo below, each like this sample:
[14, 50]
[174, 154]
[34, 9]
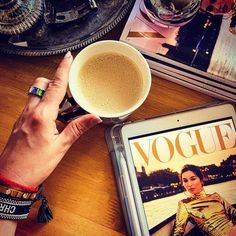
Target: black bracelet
[14, 208]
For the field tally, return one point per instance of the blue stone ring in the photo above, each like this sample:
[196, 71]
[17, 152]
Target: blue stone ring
[36, 91]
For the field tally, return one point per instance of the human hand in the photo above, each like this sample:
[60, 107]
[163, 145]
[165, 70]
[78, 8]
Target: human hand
[35, 146]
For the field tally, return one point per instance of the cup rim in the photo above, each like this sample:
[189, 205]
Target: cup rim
[104, 114]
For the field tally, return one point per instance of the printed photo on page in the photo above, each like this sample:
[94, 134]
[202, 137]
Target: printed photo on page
[187, 178]
[205, 43]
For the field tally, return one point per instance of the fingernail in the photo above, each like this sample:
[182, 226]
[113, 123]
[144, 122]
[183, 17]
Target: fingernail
[94, 121]
[68, 54]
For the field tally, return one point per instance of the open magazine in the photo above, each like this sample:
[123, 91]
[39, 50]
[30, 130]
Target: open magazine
[199, 55]
[176, 173]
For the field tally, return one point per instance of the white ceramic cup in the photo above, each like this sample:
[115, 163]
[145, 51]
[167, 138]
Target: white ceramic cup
[102, 47]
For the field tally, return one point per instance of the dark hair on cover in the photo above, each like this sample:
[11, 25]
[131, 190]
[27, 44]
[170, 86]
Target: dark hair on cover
[195, 169]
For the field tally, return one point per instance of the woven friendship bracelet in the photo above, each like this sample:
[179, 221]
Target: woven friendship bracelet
[15, 204]
[16, 201]
[14, 209]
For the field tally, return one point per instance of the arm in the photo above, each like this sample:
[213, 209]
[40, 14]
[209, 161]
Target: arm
[35, 146]
[181, 219]
[229, 210]
[8, 227]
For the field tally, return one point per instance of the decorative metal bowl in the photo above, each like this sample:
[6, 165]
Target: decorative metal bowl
[65, 25]
[17, 16]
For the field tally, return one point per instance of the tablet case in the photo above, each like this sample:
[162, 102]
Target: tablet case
[117, 155]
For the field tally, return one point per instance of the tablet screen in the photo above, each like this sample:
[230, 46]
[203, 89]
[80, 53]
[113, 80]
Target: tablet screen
[159, 158]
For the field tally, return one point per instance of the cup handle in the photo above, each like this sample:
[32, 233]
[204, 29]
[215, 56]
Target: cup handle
[69, 109]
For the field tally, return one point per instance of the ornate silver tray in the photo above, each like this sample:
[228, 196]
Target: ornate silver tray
[45, 39]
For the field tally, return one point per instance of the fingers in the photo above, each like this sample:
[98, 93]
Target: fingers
[77, 127]
[41, 83]
[57, 87]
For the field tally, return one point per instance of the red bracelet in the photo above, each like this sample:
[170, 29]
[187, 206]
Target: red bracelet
[14, 184]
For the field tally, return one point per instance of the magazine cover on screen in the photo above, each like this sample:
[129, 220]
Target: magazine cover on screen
[199, 55]
[187, 178]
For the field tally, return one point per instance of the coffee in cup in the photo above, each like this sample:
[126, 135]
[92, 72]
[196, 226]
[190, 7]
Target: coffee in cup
[110, 79]
[109, 83]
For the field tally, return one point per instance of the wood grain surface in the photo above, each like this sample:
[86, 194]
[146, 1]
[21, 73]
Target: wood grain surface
[82, 190]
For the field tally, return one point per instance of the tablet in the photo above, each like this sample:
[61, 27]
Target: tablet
[149, 156]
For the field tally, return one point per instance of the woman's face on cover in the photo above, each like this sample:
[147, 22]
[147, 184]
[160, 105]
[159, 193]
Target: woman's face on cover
[191, 182]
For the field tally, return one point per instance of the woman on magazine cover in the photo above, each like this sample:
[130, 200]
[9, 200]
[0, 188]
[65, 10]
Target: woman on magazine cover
[210, 212]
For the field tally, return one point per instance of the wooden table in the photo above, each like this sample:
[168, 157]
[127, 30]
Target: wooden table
[82, 190]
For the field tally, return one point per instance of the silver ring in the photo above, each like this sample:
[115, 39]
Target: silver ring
[36, 91]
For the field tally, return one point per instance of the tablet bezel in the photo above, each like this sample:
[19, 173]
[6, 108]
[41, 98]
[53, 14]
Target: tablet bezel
[163, 123]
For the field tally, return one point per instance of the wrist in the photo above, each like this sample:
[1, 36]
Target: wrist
[16, 171]
[8, 227]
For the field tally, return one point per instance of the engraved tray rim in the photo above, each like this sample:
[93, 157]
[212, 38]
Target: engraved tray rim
[7, 48]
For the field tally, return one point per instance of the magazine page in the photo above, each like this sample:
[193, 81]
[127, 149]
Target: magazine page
[204, 45]
[193, 82]
[206, 83]
[187, 178]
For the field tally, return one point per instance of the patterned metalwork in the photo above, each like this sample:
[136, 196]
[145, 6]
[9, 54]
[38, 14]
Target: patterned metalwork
[18, 16]
[54, 37]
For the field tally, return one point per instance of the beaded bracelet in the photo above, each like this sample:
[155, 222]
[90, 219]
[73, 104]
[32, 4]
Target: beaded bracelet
[17, 193]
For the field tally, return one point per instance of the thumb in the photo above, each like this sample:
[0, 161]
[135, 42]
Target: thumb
[77, 127]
